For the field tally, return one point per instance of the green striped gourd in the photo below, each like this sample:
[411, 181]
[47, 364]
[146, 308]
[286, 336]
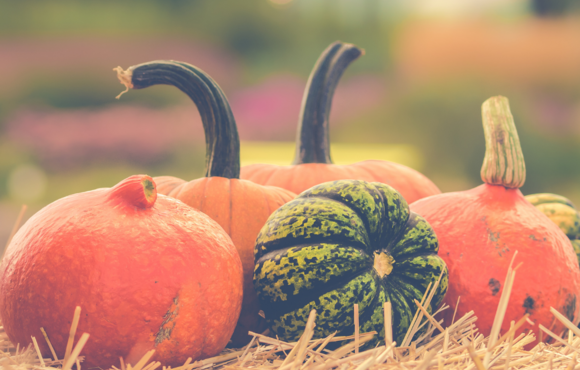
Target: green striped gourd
[342, 243]
[562, 212]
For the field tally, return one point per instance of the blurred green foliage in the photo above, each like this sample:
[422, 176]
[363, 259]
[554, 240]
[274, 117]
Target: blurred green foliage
[442, 118]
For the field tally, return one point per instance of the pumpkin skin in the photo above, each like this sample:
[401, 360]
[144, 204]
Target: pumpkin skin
[341, 243]
[313, 164]
[562, 212]
[240, 207]
[479, 231]
[148, 272]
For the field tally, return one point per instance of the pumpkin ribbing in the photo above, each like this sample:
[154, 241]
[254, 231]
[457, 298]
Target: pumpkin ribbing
[320, 250]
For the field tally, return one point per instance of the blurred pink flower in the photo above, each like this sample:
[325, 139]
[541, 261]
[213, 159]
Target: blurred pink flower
[70, 138]
[65, 139]
[271, 109]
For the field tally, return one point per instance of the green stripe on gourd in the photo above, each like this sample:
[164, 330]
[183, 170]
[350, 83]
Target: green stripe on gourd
[541, 198]
[288, 272]
[341, 243]
[337, 313]
[503, 163]
[562, 212]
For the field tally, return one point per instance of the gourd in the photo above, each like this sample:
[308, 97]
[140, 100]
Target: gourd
[481, 229]
[241, 207]
[312, 163]
[342, 243]
[562, 212]
[147, 271]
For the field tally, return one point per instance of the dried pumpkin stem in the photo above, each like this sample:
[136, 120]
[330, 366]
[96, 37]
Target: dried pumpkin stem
[504, 162]
[312, 141]
[125, 78]
[221, 133]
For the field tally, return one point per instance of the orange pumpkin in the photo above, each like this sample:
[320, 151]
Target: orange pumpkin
[312, 164]
[240, 207]
[479, 230]
[140, 266]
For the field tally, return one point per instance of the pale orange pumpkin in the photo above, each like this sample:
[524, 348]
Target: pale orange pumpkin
[312, 163]
[147, 271]
[241, 207]
[480, 230]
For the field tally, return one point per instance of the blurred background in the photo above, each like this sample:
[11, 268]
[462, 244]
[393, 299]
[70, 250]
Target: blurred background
[414, 97]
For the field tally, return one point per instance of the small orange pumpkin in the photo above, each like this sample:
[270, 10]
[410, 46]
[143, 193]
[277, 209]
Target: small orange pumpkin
[480, 229]
[148, 272]
[312, 164]
[241, 207]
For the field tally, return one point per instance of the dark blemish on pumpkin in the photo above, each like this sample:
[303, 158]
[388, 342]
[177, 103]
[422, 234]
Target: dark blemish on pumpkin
[529, 304]
[494, 237]
[155, 282]
[168, 322]
[533, 237]
[494, 286]
[570, 306]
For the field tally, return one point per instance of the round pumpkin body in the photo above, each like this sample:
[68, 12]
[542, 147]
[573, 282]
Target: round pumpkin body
[410, 183]
[147, 271]
[562, 212]
[494, 222]
[241, 208]
[343, 243]
[479, 231]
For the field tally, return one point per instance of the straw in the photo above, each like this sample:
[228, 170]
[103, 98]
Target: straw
[458, 346]
[14, 229]
[76, 351]
[38, 352]
[71, 337]
[49, 344]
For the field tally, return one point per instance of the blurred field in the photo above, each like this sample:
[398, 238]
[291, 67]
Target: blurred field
[282, 153]
[413, 98]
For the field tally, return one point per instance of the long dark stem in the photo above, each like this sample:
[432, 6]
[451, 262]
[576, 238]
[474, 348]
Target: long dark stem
[312, 141]
[221, 133]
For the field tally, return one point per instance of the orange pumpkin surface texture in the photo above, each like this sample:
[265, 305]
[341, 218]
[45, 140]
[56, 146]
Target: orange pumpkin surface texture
[313, 164]
[479, 231]
[241, 207]
[148, 272]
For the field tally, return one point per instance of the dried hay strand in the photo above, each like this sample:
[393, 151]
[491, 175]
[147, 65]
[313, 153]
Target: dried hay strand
[459, 346]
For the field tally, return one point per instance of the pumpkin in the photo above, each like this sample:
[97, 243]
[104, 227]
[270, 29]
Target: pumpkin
[481, 229]
[562, 212]
[342, 243]
[241, 207]
[148, 272]
[312, 163]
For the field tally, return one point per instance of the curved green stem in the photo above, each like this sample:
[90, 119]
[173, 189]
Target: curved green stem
[221, 133]
[504, 161]
[312, 141]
